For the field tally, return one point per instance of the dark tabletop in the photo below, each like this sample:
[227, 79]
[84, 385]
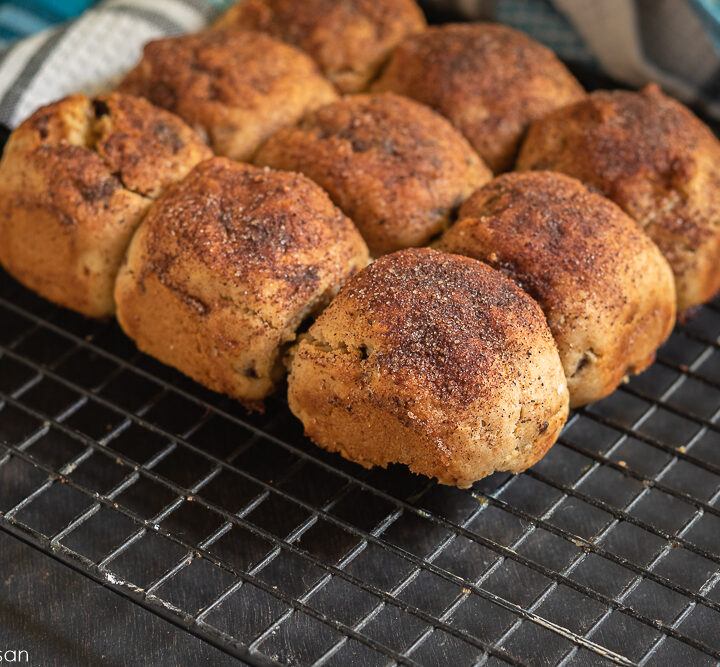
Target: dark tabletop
[62, 618]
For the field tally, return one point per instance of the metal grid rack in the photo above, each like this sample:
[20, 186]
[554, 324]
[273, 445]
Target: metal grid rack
[237, 528]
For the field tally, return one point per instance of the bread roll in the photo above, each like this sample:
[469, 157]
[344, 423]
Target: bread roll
[236, 87]
[607, 292]
[432, 360]
[397, 168]
[225, 268]
[348, 39]
[491, 81]
[75, 180]
[653, 157]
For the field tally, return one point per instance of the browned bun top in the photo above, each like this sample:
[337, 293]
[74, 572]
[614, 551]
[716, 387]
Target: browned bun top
[552, 234]
[57, 144]
[270, 238]
[491, 81]
[613, 137]
[397, 168]
[76, 179]
[349, 39]
[110, 142]
[445, 325]
[217, 68]
[229, 83]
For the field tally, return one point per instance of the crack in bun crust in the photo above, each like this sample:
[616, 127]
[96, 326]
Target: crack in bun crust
[432, 360]
[606, 290]
[225, 268]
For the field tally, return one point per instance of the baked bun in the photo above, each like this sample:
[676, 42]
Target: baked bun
[432, 360]
[607, 292]
[397, 168]
[491, 81]
[236, 87]
[75, 180]
[349, 39]
[226, 266]
[653, 157]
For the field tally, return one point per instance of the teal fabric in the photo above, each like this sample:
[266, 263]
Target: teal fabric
[543, 22]
[709, 13]
[22, 18]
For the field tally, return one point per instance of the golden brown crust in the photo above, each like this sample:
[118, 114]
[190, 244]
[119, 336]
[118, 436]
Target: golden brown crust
[397, 168]
[489, 80]
[225, 267]
[653, 157]
[348, 39]
[75, 179]
[147, 147]
[607, 292]
[435, 361]
[237, 87]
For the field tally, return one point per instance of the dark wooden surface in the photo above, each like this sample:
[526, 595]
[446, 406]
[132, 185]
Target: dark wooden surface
[62, 618]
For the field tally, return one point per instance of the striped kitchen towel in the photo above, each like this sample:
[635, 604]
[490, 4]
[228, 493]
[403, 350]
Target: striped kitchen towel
[92, 52]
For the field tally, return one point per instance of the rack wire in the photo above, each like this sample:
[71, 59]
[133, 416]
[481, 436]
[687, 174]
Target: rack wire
[236, 528]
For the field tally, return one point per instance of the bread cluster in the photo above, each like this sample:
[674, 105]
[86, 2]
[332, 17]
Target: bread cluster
[227, 201]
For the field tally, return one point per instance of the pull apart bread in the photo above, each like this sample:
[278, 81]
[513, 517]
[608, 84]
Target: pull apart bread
[226, 266]
[75, 180]
[432, 360]
[606, 290]
[349, 39]
[396, 168]
[489, 80]
[235, 87]
[457, 361]
[657, 161]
